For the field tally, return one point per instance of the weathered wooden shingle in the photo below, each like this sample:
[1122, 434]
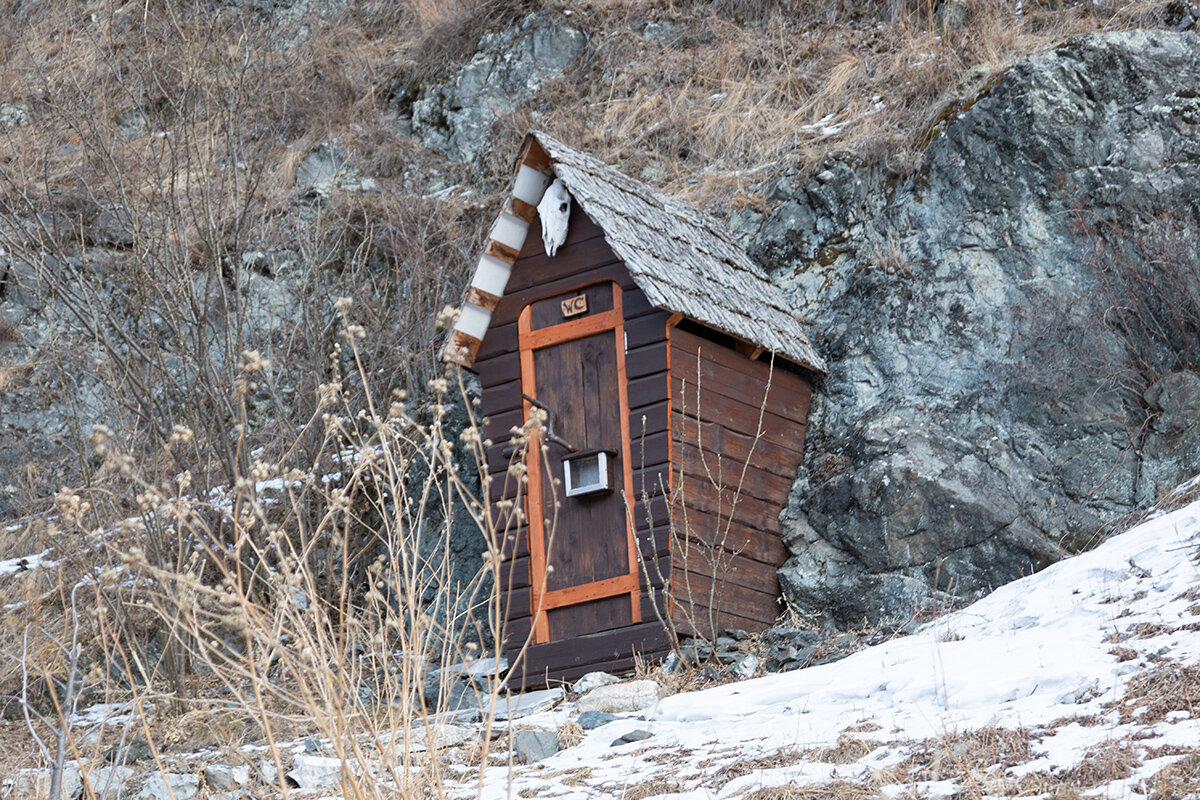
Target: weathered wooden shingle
[684, 260]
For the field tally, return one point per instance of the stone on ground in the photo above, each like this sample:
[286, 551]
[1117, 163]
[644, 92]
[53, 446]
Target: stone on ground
[224, 778]
[34, 784]
[108, 783]
[531, 746]
[522, 705]
[632, 736]
[619, 697]
[746, 666]
[592, 680]
[316, 772]
[170, 786]
[590, 720]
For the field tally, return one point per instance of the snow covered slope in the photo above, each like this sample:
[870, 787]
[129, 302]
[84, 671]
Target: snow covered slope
[1084, 678]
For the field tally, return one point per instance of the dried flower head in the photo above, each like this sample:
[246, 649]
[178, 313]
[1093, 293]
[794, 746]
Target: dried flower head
[252, 361]
[181, 434]
[448, 316]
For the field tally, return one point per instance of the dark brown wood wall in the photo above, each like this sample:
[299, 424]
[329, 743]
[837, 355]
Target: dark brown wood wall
[734, 482]
[584, 258]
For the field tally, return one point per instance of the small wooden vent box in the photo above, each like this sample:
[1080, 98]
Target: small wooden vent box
[588, 473]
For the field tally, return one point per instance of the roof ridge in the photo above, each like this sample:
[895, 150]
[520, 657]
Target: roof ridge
[682, 257]
[645, 191]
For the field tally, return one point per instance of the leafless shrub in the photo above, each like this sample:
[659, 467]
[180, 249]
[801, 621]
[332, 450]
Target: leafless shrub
[702, 552]
[1148, 279]
[259, 604]
[1136, 321]
[450, 31]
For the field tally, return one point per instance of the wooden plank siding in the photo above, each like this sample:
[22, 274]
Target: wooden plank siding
[568, 659]
[737, 430]
[584, 259]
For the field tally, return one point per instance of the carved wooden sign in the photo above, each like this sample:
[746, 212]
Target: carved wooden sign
[574, 306]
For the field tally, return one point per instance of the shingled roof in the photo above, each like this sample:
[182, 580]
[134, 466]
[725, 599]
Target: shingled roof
[684, 261]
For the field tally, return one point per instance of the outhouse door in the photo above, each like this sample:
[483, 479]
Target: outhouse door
[583, 557]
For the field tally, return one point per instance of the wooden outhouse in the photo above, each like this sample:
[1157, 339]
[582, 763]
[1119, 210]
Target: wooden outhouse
[674, 382]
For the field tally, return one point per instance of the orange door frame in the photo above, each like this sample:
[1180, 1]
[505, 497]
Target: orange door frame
[541, 599]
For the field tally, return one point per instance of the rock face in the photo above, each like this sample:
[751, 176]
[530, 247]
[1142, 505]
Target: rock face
[509, 66]
[954, 445]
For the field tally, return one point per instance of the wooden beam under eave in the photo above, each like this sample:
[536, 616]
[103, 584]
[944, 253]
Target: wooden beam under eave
[750, 351]
[519, 208]
[481, 298]
[501, 251]
[532, 155]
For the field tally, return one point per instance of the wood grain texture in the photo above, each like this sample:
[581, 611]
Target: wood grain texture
[570, 621]
[589, 553]
[562, 659]
[737, 430]
[707, 530]
[575, 369]
[546, 312]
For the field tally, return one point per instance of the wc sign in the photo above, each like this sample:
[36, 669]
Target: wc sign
[574, 306]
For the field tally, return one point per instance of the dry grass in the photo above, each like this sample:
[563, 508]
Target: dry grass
[189, 121]
[847, 750]
[177, 607]
[1154, 694]
[967, 755]
[570, 777]
[1190, 594]
[835, 790]
[658, 785]
[1148, 630]
[1085, 721]
[730, 100]
[1124, 654]
[14, 376]
[9, 333]
[228, 102]
[687, 676]
[1175, 781]
[708, 108]
[783, 757]
[1104, 763]
[569, 734]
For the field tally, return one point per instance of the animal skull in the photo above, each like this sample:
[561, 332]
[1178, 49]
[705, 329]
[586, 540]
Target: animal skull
[554, 210]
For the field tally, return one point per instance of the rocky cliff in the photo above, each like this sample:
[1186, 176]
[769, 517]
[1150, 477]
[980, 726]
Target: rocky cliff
[962, 438]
